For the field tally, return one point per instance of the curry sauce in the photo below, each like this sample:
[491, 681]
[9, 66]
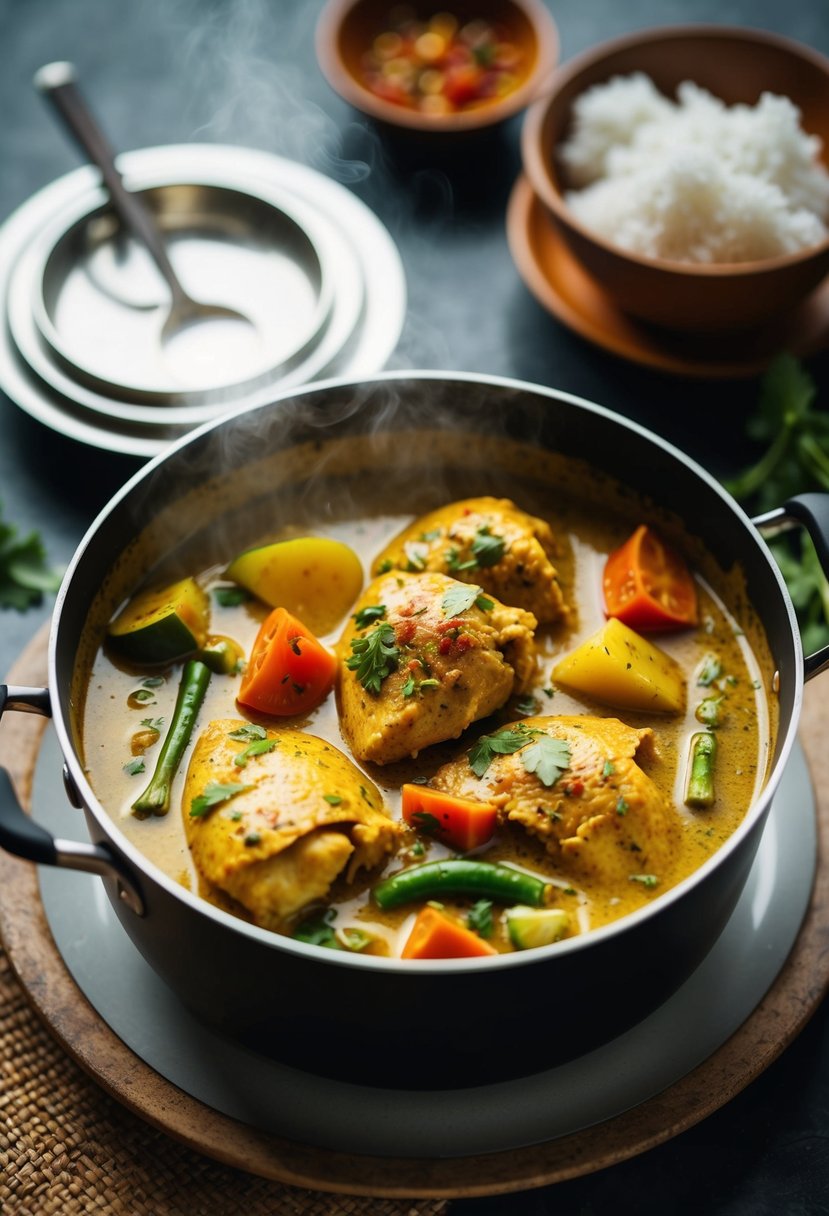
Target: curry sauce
[125, 708]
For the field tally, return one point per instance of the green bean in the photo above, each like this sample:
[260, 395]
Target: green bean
[699, 792]
[461, 876]
[156, 797]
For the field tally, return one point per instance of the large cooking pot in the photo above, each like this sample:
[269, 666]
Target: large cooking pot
[371, 1019]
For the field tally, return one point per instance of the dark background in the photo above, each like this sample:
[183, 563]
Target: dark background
[243, 71]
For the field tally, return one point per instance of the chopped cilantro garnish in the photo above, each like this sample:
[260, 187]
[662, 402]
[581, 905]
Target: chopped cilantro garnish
[372, 612]
[246, 734]
[134, 767]
[332, 799]
[215, 793]
[609, 768]
[526, 706]
[425, 821]
[501, 743]
[547, 758]
[409, 686]
[647, 880]
[488, 548]
[153, 723]
[259, 747]
[454, 564]
[143, 695]
[375, 657]
[460, 599]
[479, 918]
[710, 670]
[318, 931]
[621, 806]
[385, 565]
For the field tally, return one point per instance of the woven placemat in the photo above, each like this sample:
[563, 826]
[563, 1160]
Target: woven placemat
[67, 1149]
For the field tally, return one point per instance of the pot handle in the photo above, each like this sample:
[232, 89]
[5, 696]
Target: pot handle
[22, 837]
[810, 511]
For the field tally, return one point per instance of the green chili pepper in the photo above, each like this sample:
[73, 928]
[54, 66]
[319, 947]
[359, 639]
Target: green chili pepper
[156, 797]
[461, 876]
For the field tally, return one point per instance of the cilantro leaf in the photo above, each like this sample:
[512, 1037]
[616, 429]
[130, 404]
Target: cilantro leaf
[375, 657]
[460, 599]
[501, 743]
[24, 571]
[245, 734]
[487, 547]
[134, 767]
[479, 918]
[215, 793]
[372, 612]
[259, 747]
[547, 758]
[317, 931]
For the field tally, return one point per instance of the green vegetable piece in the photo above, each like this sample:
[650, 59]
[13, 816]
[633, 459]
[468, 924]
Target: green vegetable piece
[460, 876]
[699, 790]
[531, 927]
[155, 799]
[222, 655]
[161, 626]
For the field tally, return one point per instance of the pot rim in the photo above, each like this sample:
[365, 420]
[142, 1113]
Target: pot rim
[147, 869]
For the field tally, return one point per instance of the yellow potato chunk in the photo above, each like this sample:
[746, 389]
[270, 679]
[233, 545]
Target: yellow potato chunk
[315, 578]
[618, 667]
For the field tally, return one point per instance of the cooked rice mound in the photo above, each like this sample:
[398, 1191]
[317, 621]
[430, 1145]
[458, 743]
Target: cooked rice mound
[694, 180]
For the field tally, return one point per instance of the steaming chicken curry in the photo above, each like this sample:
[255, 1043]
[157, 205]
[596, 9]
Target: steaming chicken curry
[475, 731]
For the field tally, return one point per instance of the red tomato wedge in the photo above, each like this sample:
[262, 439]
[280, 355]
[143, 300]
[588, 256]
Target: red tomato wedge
[289, 671]
[434, 935]
[462, 823]
[648, 586]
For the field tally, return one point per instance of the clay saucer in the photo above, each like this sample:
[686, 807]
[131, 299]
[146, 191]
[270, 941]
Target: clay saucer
[565, 289]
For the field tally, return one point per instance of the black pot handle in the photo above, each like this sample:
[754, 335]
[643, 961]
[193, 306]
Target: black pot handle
[22, 837]
[810, 511]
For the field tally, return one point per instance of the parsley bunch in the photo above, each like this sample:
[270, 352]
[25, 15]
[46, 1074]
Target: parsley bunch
[24, 571]
[795, 460]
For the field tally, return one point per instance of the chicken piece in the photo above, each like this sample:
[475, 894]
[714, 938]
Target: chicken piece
[422, 657]
[488, 541]
[301, 815]
[601, 817]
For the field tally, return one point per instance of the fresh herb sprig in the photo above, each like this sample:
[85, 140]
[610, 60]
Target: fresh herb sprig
[375, 657]
[25, 573]
[796, 460]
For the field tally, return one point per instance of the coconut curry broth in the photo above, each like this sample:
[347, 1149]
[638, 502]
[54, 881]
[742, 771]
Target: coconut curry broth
[122, 704]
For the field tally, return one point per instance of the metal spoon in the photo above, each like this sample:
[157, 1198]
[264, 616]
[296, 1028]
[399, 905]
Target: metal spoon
[57, 83]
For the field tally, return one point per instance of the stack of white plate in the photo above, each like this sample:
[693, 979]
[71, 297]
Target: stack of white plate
[311, 267]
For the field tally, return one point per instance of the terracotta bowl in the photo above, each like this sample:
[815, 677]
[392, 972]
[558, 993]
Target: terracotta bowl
[736, 65]
[347, 28]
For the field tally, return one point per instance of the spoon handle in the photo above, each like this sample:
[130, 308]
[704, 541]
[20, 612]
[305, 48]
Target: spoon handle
[57, 83]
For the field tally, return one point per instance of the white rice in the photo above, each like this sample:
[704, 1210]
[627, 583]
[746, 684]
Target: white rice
[694, 180]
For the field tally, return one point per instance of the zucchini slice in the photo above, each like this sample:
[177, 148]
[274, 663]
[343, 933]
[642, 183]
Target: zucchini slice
[529, 927]
[162, 625]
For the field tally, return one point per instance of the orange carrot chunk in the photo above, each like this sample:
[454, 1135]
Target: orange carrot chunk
[462, 823]
[434, 935]
[289, 672]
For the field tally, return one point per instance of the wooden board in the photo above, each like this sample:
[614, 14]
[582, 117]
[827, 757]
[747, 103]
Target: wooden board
[51, 991]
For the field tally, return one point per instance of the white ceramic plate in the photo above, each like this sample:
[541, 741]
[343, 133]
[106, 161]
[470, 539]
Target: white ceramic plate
[273, 1097]
[351, 349]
